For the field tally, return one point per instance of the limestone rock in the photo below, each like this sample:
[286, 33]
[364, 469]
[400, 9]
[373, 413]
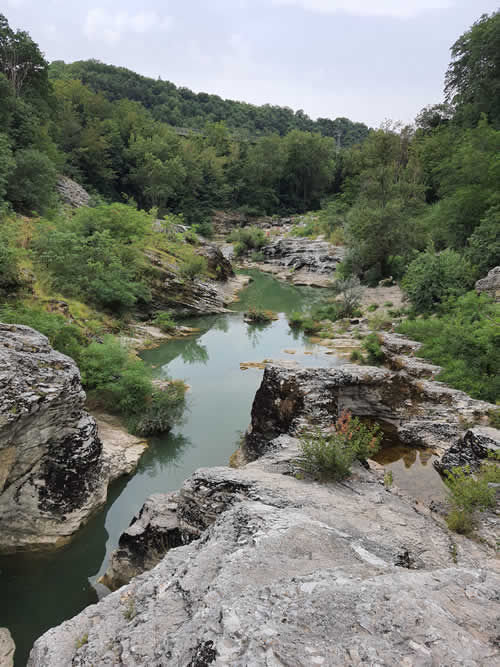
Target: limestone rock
[289, 572]
[314, 255]
[152, 532]
[7, 648]
[490, 284]
[471, 449]
[71, 193]
[53, 471]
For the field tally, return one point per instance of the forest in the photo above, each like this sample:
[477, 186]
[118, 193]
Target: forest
[418, 203]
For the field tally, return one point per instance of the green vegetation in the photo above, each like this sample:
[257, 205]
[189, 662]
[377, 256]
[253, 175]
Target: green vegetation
[465, 340]
[388, 479]
[81, 641]
[331, 456]
[193, 267]
[468, 493]
[247, 239]
[375, 354]
[303, 321]
[164, 321]
[259, 316]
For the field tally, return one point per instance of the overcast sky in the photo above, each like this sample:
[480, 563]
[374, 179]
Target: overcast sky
[365, 59]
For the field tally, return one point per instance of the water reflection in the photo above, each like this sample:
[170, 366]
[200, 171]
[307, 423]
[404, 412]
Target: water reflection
[194, 353]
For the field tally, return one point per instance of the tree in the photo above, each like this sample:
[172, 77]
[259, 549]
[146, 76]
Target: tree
[472, 81]
[31, 182]
[21, 61]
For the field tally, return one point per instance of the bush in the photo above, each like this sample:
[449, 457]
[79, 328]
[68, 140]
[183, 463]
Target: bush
[193, 266]
[468, 493]
[332, 456]
[246, 239]
[164, 410]
[204, 228]
[433, 277]
[372, 346]
[465, 341]
[64, 337]
[120, 383]
[372, 307]
[483, 247]
[10, 275]
[304, 322]
[259, 316]
[89, 257]
[32, 181]
[164, 321]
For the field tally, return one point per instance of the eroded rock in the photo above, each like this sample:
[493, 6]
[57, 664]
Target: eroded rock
[490, 284]
[7, 648]
[53, 470]
[471, 449]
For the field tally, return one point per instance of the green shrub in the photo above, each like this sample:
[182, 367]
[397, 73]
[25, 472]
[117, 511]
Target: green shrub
[32, 181]
[259, 316]
[331, 457]
[468, 493]
[204, 228]
[483, 247]
[372, 307]
[247, 239]
[164, 410]
[494, 417]
[355, 356]
[193, 267]
[433, 277]
[64, 337]
[465, 341]
[258, 256]
[10, 275]
[164, 321]
[372, 346]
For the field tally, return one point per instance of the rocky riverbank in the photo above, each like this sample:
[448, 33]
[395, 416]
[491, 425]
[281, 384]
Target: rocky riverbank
[55, 466]
[280, 570]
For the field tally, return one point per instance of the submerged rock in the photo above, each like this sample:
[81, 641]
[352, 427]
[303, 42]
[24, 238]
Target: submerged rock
[54, 472]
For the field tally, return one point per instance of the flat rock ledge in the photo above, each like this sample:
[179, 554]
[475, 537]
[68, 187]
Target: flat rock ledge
[54, 469]
[281, 571]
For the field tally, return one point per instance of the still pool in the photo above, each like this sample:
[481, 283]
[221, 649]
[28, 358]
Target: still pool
[39, 591]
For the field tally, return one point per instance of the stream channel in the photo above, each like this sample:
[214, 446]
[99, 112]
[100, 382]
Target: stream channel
[39, 591]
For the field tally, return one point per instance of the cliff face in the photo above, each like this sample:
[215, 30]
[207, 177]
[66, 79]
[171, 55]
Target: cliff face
[53, 470]
[277, 570]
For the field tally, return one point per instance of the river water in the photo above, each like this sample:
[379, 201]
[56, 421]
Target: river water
[39, 591]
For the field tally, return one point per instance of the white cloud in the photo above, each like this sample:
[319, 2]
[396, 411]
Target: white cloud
[109, 26]
[395, 8]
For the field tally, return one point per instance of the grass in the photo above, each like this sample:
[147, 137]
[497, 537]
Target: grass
[81, 641]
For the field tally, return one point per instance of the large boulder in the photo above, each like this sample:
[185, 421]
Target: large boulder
[289, 572]
[476, 445]
[54, 472]
[490, 284]
[72, 193]
[7, 648]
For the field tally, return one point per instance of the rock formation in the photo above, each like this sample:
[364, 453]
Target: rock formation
[289, 572]
[194, 297]
[54, 472]
[276, 570]
[71, 193]
[7, 648]
[490, 284]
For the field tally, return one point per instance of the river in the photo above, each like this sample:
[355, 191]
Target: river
[39, 591]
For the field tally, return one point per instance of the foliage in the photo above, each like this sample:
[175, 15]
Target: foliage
[31, 181]
[10, 275]
[331, 456]
[433, 277]
[64, 337]
[164, 410]
[247, 239]
[465, 340]
[470, 492]
[303, 321]
[193, 267]
[371, 344]
[473, 77]
[106, 244]
[164, 321]
[483, 246]
[259, 316]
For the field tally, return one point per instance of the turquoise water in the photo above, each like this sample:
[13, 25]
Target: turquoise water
[40, 591]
